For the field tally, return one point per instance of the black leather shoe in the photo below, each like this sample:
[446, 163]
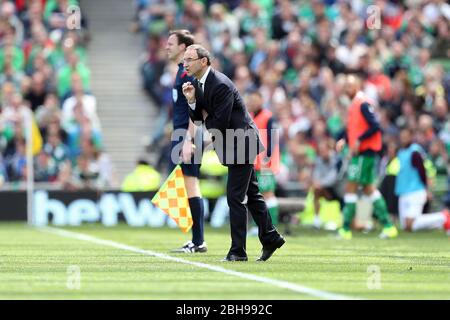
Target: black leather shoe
[267, 251]
[232, 257]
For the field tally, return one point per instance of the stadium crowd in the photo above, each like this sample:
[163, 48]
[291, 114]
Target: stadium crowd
[44, 73]
[297, 53]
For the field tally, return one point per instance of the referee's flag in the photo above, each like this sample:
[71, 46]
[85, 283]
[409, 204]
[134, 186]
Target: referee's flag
[36, 137]
[172, 199]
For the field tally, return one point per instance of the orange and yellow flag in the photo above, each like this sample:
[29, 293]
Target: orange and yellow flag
[172, 199]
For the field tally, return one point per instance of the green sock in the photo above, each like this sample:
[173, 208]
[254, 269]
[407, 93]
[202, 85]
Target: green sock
[349, 213]
[380, 210]
[272, 205]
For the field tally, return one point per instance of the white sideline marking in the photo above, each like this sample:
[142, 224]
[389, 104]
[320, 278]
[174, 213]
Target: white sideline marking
[277, 283]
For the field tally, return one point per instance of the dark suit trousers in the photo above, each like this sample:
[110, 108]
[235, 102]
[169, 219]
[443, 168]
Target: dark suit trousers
[242, 186]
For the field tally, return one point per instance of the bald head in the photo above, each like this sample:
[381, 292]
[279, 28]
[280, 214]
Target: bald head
[352, 85]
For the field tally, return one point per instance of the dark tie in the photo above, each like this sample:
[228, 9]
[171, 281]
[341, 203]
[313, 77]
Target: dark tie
[200, 85]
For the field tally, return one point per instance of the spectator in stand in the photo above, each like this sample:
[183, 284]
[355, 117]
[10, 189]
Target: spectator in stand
[324, 178]
[31, 15]
[56, 12]
[39, 43]
[43, 168]
[426, 133]
[93, 169]
[80, 129]
[48, 111]
[8, 12]
[11, 52]
[41, 65]
[54, 127]
[441, 47]
[283, 20]
[64, 46]
[153, 67]
[85, 174]
[57, 152]
[65, 74]
[11, 76]
[243, 79]
[38, 91]
[85, 101]
[16, 163]
[16, 111]
[100, 161]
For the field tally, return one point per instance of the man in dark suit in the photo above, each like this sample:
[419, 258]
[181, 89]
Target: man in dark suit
[214, 100]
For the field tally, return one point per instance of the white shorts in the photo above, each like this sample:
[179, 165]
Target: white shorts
[411, 205]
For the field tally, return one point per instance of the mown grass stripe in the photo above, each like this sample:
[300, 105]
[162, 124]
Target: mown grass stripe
[278, 283]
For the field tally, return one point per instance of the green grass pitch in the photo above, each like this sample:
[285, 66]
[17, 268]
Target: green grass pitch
[35, 264]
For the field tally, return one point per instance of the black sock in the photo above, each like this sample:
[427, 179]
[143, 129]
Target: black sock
[197, 211]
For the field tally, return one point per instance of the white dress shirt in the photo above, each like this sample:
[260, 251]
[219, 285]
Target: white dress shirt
[89, 107]
[202, 85]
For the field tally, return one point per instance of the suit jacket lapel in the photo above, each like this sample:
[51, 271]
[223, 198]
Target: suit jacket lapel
[208, 82]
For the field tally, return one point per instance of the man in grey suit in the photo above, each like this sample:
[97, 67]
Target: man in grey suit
[214, 100]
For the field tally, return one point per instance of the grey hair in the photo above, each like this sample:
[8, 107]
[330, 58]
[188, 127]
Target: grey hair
[201, 52]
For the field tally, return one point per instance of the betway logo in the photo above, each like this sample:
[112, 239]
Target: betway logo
[106, 211]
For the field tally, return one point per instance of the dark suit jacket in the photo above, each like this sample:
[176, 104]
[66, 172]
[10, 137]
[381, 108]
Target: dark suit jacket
[235, 135]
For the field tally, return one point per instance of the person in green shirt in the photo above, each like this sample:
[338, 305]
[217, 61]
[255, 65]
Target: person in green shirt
[55, 12]
[64, 78]
[10, 52]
